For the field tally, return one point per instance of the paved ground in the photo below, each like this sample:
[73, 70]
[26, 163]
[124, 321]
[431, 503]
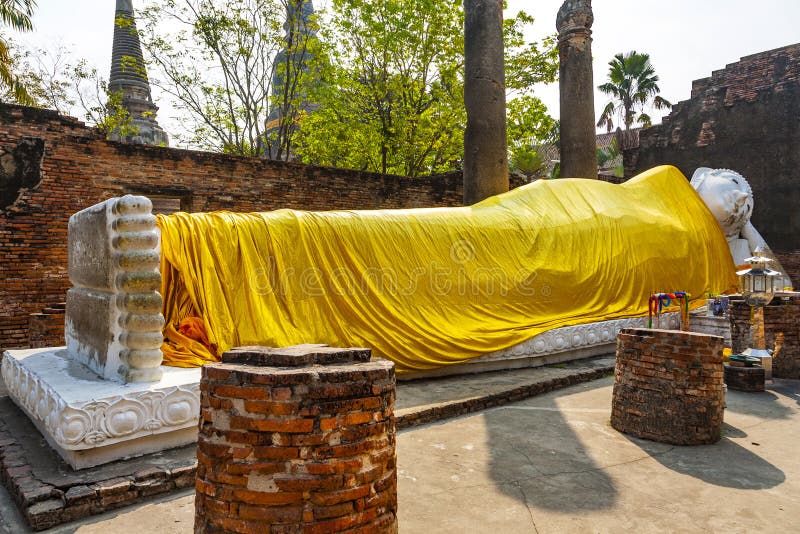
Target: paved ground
[553, 464]
[418, 395]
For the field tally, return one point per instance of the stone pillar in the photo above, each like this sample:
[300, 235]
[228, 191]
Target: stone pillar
[576, 87]
[300, 439]
[113, 319]
[485, 150]
[668, 386]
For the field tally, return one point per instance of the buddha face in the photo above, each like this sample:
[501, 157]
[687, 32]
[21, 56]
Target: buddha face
[728, 195]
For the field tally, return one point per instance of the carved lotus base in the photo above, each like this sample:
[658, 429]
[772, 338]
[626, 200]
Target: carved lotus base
[91, 421]
[554, 346]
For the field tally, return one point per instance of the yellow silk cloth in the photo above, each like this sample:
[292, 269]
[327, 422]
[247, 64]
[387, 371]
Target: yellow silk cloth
[432, 287]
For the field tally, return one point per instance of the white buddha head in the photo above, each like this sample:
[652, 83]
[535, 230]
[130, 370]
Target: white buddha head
[728, 195]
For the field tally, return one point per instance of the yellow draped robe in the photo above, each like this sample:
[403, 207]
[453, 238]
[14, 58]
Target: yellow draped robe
[437, 286]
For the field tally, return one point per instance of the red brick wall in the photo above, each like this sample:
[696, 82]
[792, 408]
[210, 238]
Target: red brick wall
[80, 168]
[790, 261]
[46, 329]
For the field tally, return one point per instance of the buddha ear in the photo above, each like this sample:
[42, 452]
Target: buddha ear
[697, 177]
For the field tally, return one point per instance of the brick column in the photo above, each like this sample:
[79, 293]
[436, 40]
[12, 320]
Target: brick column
[781, 332]
[668, 386]
[300, 439]
[744, 378]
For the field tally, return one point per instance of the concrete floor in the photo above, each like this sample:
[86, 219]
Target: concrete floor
[553, 464]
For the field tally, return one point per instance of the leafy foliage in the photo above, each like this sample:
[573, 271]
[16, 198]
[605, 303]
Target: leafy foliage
[608, 155]
[42, 74]
[14, 14]
[632, 84]
[101, 106]
[391, 99]
[381, 88]
[217, 60]
[54, 79]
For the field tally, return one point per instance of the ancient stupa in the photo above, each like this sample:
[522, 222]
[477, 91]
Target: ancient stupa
[129, 75]
[299, 29]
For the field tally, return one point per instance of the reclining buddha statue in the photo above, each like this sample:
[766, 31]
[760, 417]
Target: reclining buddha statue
[432, 287]
[730, 199]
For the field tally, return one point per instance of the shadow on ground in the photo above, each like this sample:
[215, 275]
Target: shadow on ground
[541, 461]
[556, 454]
[724, 463]
[762, 404]
[787, 388]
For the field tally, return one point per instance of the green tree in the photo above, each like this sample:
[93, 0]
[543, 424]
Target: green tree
[608, 155]
[55, 79]
[389, 99]
[529, 127]
[633, 85]
[216, 60]
[43, 77]
[101, 106]
[391, 95]
[15, 14]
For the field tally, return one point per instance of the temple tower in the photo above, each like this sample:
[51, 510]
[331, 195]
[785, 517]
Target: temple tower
[291, 59]
[129, 76]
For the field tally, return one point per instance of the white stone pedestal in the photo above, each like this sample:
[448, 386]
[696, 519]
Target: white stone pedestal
[558, 345]
[92, 421]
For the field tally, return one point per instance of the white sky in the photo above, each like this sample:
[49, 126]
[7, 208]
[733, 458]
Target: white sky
[686, 39]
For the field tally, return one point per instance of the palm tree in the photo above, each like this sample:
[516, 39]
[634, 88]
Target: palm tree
[15, 14]
[632, 84]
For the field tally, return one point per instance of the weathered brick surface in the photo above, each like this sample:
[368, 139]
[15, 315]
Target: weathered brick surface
[80, 168]
[744, 378]
[744, 117]
[791, 264]
[741, 318]
[668, 386]
[46, 329]
[305, 448]
[781, 332]
[44, 505]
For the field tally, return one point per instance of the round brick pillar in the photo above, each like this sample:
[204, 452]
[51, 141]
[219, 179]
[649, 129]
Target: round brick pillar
[744, 378]
[299, 439]
[668, 386]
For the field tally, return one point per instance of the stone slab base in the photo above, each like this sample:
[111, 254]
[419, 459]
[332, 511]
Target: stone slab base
[576, 372]
[91, 421]
[49, 492]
